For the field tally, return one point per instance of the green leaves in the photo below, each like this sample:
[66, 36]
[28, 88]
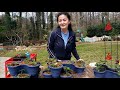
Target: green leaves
[100, 66]
[2, 28]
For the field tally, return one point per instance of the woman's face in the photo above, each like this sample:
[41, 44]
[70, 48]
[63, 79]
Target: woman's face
[63, 22]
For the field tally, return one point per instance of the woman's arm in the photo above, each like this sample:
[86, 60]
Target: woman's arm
[74, 51]
[50, 45]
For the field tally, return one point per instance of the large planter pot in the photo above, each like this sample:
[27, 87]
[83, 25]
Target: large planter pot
[115, 75]
[33, 71]
[99, 74]
[14, 70]
[56, 71]
[23, 67]
[111, 73]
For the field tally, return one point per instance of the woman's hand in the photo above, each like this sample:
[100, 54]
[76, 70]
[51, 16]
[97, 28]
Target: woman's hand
[80, 60]
[58, 60]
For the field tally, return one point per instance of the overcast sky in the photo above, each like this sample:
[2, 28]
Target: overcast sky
[23, 13]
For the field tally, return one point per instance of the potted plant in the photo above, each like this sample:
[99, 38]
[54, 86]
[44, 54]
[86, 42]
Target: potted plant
[67, 72]
[117, 70]
[14, 68]
[23, 74]
[68, 63]
[50, 61]
[100, 69]
[104, 71]
[55, 68]
[110, 72]
[19, 57]
[113, 72]
[32, 68]
[79, 66]
[47, 73]
[16, 58]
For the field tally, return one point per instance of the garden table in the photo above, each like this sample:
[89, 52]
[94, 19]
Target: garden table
[33, 56]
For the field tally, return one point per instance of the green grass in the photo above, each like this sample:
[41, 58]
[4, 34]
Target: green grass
[94, 52]
[89, 52]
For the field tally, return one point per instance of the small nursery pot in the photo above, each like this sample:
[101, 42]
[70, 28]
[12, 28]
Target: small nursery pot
[46, 75]
[56, 71]
[99, 74]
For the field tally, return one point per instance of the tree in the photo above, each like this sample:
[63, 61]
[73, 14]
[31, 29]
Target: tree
[38, 26]
[51, 20]
[43, 20]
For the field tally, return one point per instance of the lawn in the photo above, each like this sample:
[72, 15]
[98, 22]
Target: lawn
[94, 52]
[89, 52]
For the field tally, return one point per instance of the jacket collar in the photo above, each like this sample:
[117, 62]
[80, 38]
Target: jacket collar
[58, 31]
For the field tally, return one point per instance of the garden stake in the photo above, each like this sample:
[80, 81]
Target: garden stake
[117, 47]
[111, 52]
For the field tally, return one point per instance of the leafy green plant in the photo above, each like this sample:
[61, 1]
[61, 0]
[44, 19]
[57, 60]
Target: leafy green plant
[30, 62]
[51, 60]
[79, 63]
[101, 66]
[67, 71]
[56, 64]
[117, 67]
[47, 71]
[14, 64]
[21, 55]
[22, 74]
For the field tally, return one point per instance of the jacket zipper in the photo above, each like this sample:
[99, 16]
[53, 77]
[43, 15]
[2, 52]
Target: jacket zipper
[68, 40]
[63, 40]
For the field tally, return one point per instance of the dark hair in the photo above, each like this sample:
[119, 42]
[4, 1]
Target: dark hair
[68, 16]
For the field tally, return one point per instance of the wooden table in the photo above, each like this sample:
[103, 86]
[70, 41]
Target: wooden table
[88, 73]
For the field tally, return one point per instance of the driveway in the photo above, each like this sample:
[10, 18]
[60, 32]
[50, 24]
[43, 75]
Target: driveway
[2, 66]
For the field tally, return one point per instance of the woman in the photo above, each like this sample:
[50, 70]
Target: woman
[61, 42]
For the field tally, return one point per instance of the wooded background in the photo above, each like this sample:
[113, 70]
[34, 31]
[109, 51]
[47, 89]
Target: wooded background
[31, 28]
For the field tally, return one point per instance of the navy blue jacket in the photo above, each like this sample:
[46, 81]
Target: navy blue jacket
[57, 49]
